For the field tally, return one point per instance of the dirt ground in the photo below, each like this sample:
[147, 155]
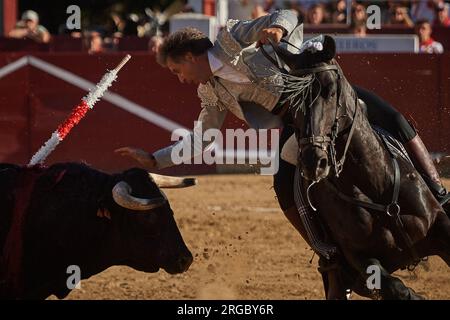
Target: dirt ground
[244, 248]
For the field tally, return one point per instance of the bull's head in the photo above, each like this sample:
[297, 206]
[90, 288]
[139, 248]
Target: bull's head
[61, 229]
[153, 238]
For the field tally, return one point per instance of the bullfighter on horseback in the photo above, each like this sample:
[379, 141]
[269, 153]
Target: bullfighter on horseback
[235, 75]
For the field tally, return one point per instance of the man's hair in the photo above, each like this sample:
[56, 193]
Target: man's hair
[179, 43]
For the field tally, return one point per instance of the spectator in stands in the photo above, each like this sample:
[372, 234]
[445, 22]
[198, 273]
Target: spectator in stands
[316, 14]
[29, 28]
[359, 29]
[400, 17]
[442, 18]
[95, 43]
[241, 9]
[359, 14]
[424, 10]
[339, 9]
[427, 43]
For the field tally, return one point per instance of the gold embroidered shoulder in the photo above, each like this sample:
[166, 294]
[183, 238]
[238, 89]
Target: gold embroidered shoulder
[207, 96]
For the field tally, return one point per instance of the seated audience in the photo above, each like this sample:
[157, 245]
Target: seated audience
[29, 28]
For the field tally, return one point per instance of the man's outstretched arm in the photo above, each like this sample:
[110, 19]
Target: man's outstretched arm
[210, 117]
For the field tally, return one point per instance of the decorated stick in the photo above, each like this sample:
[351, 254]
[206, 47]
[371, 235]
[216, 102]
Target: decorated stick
[77, 114]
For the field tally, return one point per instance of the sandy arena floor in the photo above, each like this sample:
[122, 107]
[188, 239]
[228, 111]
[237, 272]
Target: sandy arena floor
[244, 248]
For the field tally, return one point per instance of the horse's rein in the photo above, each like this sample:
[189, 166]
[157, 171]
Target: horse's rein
[271, 59]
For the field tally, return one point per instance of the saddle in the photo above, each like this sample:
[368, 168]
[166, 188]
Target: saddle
[392, 145]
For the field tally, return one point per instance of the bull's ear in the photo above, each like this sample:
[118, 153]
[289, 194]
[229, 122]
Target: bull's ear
[172, 182]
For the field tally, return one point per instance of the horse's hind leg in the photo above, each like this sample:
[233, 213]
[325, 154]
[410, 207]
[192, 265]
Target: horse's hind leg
[388, 286]
[440, 233]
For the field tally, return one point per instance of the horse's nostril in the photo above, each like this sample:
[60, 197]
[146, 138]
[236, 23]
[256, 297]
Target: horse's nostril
[323, 163]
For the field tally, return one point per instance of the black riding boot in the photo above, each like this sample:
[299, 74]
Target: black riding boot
[424, 164]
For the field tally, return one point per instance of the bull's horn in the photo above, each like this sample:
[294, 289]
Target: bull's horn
[122, 196]
[172, 182]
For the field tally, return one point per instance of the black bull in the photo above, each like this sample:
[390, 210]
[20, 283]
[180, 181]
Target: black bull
[73, 215]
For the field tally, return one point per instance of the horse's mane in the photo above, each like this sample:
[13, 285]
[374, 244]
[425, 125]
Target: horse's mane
[296, 89]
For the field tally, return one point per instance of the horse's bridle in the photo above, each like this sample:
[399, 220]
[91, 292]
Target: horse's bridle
[328, 142]
[392, 209]
[323, 142]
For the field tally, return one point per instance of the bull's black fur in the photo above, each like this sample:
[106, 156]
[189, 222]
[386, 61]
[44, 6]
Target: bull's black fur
[62, 228]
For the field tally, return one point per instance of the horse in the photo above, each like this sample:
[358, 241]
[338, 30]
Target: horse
[373, 205]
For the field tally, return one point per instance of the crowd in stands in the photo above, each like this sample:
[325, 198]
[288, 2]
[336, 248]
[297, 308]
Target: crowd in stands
[29, 28]
[153, 25]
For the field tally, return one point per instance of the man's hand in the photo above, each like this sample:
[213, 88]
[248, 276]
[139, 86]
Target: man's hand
[274, 33]
[144, 158]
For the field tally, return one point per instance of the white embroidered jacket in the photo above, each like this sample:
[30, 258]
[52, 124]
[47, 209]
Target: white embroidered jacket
[251, 102]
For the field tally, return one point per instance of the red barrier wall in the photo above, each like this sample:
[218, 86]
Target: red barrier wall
[415, 84]
[33, 103]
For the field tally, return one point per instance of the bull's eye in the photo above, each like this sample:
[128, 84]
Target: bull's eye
[148, 225]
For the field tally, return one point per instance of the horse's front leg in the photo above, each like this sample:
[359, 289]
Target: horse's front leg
[330, 270]
[332, 277]
[380, 283]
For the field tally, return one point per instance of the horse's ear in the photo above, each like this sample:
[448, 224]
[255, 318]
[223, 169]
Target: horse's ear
[329, 48]
[309, 58]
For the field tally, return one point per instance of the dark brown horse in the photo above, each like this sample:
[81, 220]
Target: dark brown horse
[375, 207]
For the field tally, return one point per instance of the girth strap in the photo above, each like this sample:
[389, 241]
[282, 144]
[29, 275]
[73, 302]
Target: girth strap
[324, 249]
[392, 210]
